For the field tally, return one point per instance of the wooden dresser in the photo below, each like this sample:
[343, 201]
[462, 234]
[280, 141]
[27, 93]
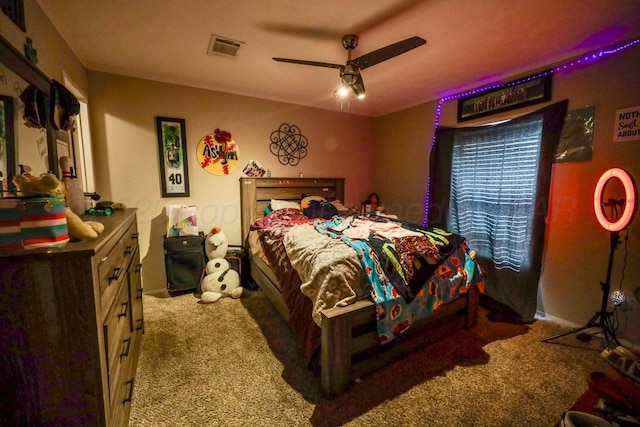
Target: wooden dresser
[71, 324]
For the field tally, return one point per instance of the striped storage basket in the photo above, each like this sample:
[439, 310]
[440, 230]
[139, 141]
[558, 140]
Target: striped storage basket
[32, 222]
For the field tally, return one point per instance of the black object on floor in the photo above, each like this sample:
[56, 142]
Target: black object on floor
[185, 261]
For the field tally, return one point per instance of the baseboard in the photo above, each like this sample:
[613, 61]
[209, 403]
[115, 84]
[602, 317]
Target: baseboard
[635, 347]
[158, 293]
[544, 316]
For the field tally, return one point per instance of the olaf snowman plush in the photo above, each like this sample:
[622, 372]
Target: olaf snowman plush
[220, 280]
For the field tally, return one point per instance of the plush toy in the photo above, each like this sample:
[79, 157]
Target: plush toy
[50, 184]
[221, 281]
[216, 244]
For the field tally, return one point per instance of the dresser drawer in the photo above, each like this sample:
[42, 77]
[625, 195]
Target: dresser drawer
[113, 266]
[117, 330]
[121, 383]
[122, 392]
[135, 286]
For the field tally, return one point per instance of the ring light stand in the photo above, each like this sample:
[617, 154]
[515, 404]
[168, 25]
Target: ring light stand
[602, 319]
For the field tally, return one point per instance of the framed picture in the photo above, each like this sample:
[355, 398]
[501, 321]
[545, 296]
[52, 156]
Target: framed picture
[172, 149]
[510, 96]
[7, 143]
[14, 9]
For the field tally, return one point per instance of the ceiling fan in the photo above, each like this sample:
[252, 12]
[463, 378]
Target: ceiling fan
[350, 71]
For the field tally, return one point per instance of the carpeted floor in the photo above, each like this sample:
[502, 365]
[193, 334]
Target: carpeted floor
[236, 363]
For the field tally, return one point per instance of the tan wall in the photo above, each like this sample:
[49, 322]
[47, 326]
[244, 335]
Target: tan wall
[402, 152]
[123, 112]
[577, 249]
[54, 55]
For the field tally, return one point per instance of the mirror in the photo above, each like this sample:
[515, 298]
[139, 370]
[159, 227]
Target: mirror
[20, 144]
[615, 199]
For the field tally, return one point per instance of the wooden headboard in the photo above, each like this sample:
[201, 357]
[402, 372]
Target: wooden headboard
[256, 194]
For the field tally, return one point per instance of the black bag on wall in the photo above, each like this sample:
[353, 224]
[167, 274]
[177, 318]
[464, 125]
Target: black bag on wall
[185, 261]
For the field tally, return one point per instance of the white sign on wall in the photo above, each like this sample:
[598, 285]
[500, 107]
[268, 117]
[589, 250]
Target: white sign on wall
[627, 124]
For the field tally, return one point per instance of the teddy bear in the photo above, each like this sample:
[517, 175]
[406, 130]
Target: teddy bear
[220, 279]
[50, 184]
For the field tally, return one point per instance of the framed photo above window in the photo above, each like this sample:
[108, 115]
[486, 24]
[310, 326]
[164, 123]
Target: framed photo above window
[172, 150]
[524, 92]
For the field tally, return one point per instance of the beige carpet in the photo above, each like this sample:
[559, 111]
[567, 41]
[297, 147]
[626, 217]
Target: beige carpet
[236, 363]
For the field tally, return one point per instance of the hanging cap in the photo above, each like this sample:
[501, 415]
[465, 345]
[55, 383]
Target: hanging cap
[35, 112]
[64, 106]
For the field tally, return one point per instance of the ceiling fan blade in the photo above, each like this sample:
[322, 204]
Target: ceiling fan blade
[388, 52]
[314, 63]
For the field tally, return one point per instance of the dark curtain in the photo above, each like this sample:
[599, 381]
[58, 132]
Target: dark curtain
[512, 295]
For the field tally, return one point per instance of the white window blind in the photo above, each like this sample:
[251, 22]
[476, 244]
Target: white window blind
[493, 189]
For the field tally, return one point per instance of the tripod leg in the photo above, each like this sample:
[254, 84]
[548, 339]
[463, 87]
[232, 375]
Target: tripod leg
[590, 324]
[609, 330]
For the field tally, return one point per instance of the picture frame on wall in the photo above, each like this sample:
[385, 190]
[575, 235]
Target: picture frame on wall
[172, 152]
[14, 9]
[522, 93]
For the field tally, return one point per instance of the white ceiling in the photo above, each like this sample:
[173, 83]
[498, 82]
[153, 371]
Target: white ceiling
[469, 43]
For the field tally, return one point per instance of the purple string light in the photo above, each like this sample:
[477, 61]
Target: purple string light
[564, 67]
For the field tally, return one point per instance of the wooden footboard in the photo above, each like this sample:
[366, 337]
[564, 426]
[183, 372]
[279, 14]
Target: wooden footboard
[350, 348]
[349, 345]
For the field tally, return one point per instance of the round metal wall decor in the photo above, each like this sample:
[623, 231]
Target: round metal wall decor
[218, 154]
[288, 144]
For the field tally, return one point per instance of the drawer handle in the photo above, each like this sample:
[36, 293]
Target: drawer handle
[129, 391]
[138, 268]
[140, 326]
[123, 311]
[126, 345]
[135, 235]
[115, 275]
[128, 250]
[139, 293]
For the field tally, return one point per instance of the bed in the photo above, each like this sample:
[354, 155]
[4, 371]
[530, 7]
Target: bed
[348, 338]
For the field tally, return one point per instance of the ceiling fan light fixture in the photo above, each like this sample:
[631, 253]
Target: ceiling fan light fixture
[358, 90]
[342, 92]
[358, 87]
[349, 74]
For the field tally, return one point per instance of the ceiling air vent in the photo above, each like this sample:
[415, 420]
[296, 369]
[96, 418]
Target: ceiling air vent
[223, 46]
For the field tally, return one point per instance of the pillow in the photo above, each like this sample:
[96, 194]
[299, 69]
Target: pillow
[283, 204]
[318, 207]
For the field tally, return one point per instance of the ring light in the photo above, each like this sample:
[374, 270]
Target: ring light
[630, 199]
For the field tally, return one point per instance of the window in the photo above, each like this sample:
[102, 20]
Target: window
[490, 184]
[494, 173]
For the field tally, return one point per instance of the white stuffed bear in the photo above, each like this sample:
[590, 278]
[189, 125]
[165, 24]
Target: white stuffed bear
[221, 281]
[216, 244]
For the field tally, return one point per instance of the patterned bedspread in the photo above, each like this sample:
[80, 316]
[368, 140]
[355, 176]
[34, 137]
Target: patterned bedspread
[425, 276]
[408, 270]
